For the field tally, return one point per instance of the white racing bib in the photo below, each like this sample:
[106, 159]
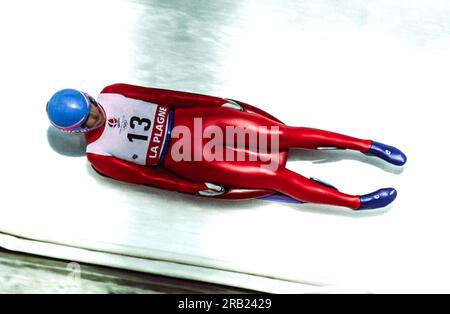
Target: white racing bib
[135, 130]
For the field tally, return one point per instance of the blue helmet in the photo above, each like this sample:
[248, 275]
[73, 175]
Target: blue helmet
[69, 109]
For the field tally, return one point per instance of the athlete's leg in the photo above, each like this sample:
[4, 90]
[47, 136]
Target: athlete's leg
[312, 191]
[284, 136]
[253, 175]
[307, 190]
[289, 137]
[301, 137]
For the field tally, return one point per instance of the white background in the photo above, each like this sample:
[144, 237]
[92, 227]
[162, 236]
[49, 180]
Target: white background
[372, 69]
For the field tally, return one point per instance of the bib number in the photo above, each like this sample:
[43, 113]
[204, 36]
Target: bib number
[142, 123]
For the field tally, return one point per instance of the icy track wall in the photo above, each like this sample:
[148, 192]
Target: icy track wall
[376, 70]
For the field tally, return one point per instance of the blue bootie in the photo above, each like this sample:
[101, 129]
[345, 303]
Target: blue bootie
[388, 153]
[378, 199]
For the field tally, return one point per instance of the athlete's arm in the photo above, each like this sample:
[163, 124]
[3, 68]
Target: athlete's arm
[168, 98]
[176, 99]
[133, 173]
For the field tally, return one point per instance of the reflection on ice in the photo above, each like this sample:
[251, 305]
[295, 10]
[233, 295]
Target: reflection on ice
[67, 144]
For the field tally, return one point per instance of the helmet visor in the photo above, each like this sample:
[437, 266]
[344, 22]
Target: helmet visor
[95, 119]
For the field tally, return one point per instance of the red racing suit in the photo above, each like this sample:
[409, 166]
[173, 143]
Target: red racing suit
[135, 146]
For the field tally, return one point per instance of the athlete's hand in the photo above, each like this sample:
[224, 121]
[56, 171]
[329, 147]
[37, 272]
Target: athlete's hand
[232, 104]
[213, 190]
